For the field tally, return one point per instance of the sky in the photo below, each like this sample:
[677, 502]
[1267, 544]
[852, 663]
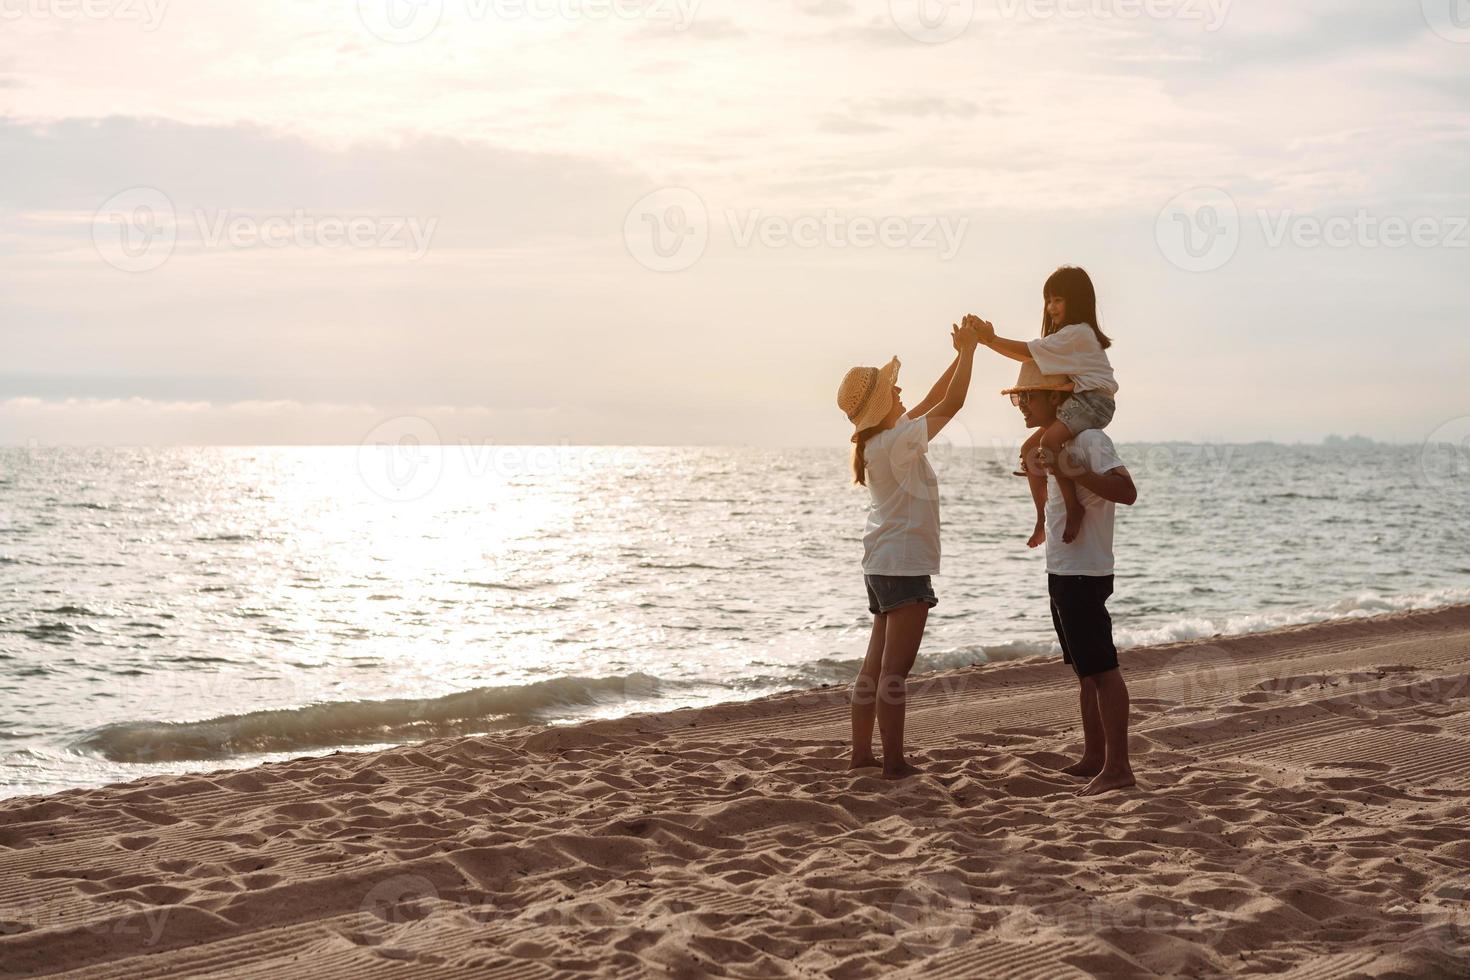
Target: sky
[682, 221]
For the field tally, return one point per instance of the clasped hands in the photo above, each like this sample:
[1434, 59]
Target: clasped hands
[972, 331]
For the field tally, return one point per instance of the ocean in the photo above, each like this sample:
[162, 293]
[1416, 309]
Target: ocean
[190, 609]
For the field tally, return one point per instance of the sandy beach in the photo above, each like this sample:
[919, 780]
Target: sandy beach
[1303, 810]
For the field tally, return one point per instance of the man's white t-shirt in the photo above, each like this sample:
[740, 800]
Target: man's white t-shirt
[1091, 553]
[902, 535]
[1074, 351]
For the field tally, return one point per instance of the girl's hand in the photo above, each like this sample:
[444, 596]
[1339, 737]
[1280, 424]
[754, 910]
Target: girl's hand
[965, 338]
[984, 330]
[954, 336]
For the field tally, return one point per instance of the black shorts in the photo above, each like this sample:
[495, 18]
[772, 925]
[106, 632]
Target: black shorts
[1079, 611]
[888, 592]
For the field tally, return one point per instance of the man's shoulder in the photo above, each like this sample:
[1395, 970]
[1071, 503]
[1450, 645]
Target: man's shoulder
[1097, 448]
[1094, 438]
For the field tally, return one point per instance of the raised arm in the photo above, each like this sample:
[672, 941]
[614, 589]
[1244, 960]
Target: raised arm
[959, 384]
[1016, 350]
[941, 386]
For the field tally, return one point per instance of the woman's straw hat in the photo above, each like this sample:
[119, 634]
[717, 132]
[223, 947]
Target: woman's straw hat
[866, 394]
[1032, 379]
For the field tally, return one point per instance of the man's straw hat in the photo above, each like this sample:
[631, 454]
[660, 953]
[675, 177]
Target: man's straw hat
[1032, 379]
[866, 394]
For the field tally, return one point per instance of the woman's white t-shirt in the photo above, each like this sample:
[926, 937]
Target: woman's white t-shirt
[1074, 351]
[902, 536]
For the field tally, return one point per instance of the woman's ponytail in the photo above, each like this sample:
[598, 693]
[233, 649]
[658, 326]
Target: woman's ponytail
[859, 463]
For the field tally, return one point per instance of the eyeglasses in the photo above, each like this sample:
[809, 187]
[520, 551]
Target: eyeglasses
[1020, 398]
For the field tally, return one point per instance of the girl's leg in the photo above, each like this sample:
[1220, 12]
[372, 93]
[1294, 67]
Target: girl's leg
[900, 648]
[1052, 440]
[1036, 477]
[865, 698]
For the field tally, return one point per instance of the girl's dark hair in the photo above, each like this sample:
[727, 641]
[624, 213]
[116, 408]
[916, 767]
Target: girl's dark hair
[860, 465]
[1074, 286]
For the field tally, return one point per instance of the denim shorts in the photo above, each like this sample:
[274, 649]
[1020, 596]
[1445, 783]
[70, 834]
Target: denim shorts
[888, 592]
[1087, 410]
[1079, 613]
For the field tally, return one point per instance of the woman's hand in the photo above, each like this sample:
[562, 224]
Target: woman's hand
[965, 338]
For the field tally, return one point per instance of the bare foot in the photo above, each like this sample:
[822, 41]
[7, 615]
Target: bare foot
[1074, 523]
[1084, 769]
[1106, 781]
[868, 761]
[903, 771]
[1038, 537]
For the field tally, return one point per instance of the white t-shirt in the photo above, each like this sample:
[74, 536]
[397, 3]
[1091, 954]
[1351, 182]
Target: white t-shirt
[902, 536]
[1091, 553]
[1075, 352]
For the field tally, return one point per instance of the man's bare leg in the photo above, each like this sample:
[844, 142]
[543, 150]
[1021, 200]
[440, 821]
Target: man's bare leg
[1112, 703]
[865, 698]
[1093, 746]
[900, 648]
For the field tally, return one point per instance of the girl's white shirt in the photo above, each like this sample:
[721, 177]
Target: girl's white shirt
[1075, 352]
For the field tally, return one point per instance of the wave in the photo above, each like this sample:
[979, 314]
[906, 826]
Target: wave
[72, 611]
[841, 670]
[1187, 628]
[336, 723]
[1354, 607]
[345, 723]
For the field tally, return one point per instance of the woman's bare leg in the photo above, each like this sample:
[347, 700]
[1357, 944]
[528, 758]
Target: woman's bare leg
[900, 648]
[865, 698]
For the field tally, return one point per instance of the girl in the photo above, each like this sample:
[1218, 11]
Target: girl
[1073, 344]
[901, 546]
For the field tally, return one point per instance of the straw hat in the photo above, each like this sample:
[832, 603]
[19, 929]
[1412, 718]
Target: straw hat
[1032, 379]
[866, 394]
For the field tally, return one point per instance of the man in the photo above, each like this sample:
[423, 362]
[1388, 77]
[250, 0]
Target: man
[1080, 579]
